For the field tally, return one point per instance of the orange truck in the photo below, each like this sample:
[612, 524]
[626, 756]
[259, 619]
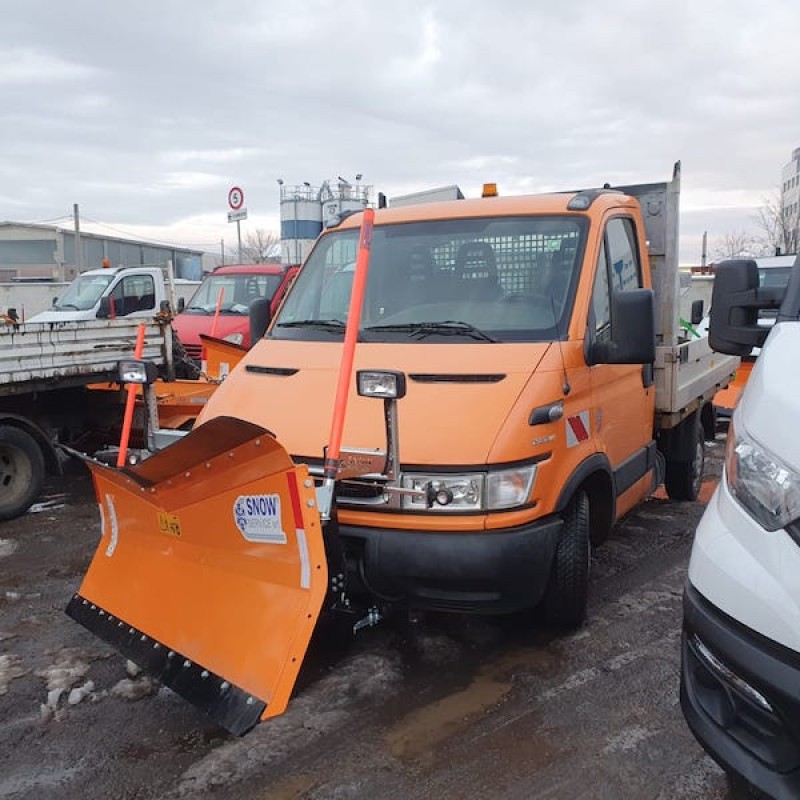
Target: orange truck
[535, 387]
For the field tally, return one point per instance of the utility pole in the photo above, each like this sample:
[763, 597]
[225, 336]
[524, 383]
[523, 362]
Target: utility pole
[78, 248]
[222, 252]
[704, 253]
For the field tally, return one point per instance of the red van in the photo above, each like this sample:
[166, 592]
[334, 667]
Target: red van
[233, 287]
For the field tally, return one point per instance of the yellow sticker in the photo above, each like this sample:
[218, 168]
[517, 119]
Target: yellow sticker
[169, 523]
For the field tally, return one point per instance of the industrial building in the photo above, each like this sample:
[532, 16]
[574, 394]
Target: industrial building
[48, 253]
[305, 209]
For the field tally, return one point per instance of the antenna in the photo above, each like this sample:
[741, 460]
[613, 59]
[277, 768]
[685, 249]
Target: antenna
[565, 387]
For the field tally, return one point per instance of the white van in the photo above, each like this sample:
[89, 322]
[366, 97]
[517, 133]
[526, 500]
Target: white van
[740, 672]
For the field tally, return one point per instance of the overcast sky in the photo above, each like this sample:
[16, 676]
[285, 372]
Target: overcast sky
[146, 113]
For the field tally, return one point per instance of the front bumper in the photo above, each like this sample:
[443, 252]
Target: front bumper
[762, 745]
[491, 572]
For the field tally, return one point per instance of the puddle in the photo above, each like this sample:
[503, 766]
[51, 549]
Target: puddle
[426, 727]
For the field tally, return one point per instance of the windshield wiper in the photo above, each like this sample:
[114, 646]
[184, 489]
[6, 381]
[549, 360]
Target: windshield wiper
[62, 306]
[332, 325]
[448, 327]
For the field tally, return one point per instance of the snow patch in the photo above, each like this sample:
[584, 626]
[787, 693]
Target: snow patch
[628, 739]
[61, 677]
[133, 690]
[10, 668]
[46, 505]
[8, 547]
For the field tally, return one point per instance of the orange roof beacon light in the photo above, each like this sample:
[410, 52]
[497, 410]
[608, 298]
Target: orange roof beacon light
[489, 190]
[106, 263]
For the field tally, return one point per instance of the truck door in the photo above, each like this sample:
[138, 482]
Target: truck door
[134, 295]
[623, 396]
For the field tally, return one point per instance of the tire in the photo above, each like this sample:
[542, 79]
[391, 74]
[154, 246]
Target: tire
[21, 471]
[567, 592]
[683, 478]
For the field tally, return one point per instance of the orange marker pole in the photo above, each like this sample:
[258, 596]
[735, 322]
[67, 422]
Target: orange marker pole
[130, 401]
[331, 464]
[216, 313]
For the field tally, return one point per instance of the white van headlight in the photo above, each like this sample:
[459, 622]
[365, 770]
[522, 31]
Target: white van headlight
[234, 338]
[476, 491]
[768, 489]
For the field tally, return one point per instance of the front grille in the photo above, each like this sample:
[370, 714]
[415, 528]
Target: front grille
[356, 490]
[194, 351]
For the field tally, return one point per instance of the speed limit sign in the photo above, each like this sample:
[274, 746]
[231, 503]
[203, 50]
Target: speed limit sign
[235, 198]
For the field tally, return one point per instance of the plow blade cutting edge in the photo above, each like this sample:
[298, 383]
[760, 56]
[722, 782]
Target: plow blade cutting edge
[210, 573]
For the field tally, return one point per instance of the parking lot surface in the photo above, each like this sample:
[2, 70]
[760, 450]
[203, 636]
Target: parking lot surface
[437, 706]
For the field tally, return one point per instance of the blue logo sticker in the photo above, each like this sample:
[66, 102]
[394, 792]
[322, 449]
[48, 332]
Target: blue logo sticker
[258, 517]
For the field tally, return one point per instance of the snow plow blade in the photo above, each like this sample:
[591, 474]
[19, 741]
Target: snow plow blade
[210, 573]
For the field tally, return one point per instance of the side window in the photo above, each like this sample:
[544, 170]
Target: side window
[133, 294]
[601, 305]
[623, 255]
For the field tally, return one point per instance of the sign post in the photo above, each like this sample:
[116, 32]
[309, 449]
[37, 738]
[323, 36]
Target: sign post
[237, 213]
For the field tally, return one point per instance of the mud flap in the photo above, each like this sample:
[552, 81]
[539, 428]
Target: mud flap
[211, 572]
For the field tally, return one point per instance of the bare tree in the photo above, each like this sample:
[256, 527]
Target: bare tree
[778, 224]
[736, 244]
[258, 246]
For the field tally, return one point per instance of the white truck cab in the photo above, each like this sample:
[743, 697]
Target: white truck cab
[740, 672]
[109, 293]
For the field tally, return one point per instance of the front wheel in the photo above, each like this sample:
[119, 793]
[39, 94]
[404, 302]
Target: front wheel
[683, 478]
[567, 592]
[21, 471]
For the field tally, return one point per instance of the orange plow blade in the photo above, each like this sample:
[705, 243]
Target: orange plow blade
[211, 572]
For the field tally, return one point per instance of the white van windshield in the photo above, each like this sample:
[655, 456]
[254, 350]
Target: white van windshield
[489, 279]
[83, 293]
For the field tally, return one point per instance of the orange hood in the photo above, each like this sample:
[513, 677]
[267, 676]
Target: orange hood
[458, 396]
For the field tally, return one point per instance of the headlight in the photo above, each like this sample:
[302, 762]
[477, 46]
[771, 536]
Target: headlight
[768, 489]
[137, 371]
[510, 487]
[234, 338]
[477, 491]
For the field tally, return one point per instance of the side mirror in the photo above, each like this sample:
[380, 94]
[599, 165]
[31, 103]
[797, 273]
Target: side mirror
[104, 311]
[697, 312]
[260, 317]
[633, 336]
[181, 304]
[735, 303]
[55, 302]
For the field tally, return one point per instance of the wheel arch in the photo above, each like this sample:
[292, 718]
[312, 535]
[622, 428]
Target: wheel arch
[52, 462]
[595, 477]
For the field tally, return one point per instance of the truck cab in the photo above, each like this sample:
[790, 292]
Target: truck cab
[108, 293]
[221, 305]
[542, 390]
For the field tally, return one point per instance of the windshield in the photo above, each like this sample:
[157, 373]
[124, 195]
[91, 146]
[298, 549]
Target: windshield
[83, 293]
[772, 278]
[237, 292]
[483, 280]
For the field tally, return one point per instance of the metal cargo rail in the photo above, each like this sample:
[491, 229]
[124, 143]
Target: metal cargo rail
[36, 357]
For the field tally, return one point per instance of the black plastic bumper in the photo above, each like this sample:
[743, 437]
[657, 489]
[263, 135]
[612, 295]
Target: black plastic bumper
[759, 745]
[492, 572]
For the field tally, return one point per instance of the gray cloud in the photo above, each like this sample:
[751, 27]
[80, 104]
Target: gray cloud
[146, 113]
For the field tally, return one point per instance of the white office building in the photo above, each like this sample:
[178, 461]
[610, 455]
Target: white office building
[790, 200]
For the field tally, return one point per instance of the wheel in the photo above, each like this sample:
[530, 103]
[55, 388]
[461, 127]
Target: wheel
[567, 592]
[683, 478]
[21, 471]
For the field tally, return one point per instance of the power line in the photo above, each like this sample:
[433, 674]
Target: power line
[138, 237]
